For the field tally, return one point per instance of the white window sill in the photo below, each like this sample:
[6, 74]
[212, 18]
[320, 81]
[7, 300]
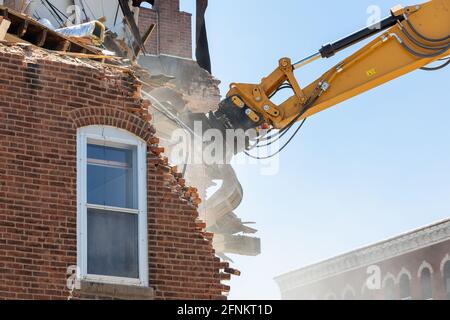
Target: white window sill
[116, 291]
[114, 280]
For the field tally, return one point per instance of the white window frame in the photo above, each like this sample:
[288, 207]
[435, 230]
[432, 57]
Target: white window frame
[111, 136]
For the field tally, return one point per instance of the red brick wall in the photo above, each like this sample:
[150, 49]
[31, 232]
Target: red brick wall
[43, 100]
[173, 34]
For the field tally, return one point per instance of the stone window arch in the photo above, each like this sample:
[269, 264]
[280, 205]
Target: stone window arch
[423, 266]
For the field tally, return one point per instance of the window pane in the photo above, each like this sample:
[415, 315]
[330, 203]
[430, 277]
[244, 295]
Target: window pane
[405, 287]
[427, 288]
[349, 296]
[112, 241]
[390, 290]
[447, 279]
[118, 155]
[110, 179]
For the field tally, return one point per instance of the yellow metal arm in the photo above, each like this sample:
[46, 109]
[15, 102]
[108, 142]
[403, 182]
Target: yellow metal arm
[419, 38]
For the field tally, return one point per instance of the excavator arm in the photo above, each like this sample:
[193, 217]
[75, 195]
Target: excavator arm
[409, 39]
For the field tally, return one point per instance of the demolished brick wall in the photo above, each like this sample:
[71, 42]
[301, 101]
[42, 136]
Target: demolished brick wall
[44, 98]
[173, 34]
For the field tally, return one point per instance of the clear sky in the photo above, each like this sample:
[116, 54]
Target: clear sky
[368, 169]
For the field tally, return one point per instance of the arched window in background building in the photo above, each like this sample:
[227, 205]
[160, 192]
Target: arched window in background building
[389, 289]
[331, 296]
[446, 276]
[349, 293]
[426, 284]
[366, 293]
[405, 287]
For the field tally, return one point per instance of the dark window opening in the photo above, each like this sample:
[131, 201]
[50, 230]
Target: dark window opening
[426, 284]
[405, 287]
[389, 289]
[447, 280]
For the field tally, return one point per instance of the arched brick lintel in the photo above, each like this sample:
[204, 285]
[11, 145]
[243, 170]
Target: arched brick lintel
[132, 123]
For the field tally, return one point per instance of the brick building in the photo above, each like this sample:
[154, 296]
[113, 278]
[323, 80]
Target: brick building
[415, 265]
[173, 35]
[82, 183]
[84, 188]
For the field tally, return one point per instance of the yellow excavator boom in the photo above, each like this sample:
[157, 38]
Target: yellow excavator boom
[409, 39]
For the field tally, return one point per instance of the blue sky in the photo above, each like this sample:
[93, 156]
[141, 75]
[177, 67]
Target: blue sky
[368, 169]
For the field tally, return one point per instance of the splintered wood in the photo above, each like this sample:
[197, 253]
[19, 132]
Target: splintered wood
[25, 29]
[4, 26]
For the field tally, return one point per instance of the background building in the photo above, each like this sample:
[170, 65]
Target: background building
[415, 265]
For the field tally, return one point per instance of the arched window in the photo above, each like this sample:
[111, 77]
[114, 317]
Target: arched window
[366, 293]
[405, 287]
[446, 276]
[330, 296]
[389, 289]
[426, 284]
[349, 293]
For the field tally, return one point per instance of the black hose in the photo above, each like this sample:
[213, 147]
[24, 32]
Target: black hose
[279, 137]
[424, 55]
[425, 37]
[308, 105]
[116, 15]
[282, 148]
[55, 16]
[286, 86]
[417, 43]
[56, 9]
[442, 66]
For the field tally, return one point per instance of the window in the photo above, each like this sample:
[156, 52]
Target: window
[366, 293]
[349, 293]
[426, 284]
[405, 287]
[389, 288]
[112, 236]
[446, 274]
[330, 296]
[349, 296]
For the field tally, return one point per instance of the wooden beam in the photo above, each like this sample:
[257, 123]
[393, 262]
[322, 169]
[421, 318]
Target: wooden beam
[4, 12]
[12, 38]
[85, 55]
[4, 26]
[64, 46]
[25, 29]
[22, 29]
[144, 39]
[41, 38]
